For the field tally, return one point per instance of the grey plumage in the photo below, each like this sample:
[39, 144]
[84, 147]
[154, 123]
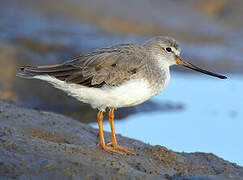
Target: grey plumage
[112, 65]
[116, 64]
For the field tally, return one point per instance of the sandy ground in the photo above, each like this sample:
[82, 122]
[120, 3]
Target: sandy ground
[37, 144]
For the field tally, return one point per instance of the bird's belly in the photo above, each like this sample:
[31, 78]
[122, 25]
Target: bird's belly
[130, 93]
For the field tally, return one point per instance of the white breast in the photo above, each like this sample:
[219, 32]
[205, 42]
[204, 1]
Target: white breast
[130, 93]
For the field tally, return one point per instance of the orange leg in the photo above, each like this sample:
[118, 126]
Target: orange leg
[100, 124]
[113, 135]
[101, 134]
[111, 121]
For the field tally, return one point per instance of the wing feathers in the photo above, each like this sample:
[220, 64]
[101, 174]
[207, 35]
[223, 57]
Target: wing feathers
[112, 65]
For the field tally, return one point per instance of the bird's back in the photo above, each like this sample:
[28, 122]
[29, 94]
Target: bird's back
[112, 65]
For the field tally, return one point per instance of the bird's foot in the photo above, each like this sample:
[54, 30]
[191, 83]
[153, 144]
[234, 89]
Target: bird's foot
[124, 150]
[115, 148]
[112, 150]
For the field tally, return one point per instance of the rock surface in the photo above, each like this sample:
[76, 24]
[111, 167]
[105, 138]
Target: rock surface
[37, 145]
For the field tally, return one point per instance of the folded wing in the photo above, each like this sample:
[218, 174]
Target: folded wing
[112, 65]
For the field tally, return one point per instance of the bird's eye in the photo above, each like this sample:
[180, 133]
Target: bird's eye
[168, 49]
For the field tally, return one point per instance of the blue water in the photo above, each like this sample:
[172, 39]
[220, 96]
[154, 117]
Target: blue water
[211, 121]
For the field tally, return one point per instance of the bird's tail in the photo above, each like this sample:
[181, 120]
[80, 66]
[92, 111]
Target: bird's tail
[56, 70]
[24, 72]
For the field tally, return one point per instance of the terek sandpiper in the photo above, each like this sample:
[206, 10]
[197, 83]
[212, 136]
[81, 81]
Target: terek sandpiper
[116, 76]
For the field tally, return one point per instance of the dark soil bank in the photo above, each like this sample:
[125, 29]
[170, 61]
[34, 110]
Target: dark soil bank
[42, 145]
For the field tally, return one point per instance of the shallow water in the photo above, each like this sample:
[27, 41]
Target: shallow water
[212, 120]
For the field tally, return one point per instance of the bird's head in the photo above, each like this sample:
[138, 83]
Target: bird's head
[168, 52]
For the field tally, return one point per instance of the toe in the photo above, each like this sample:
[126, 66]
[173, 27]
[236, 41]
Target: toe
[112, 150]
[125, 150]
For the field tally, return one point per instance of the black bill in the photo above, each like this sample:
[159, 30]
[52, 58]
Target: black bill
[182, 62]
